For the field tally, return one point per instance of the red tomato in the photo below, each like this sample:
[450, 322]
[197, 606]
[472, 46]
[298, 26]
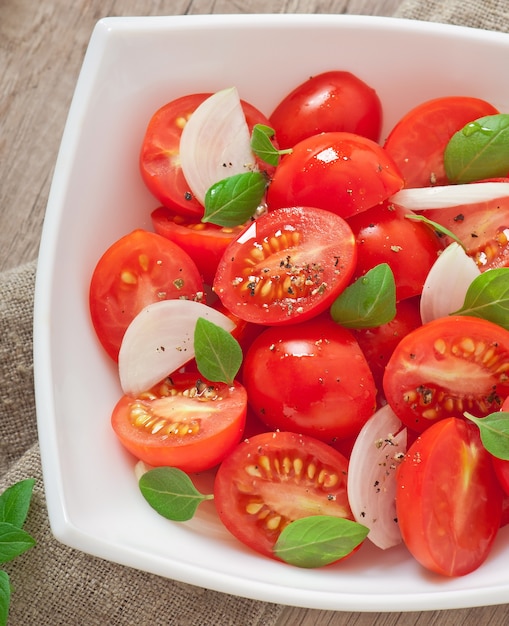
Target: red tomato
[183, 422]
[273, 479]
[448, 366]
[337, 171]
[160, 152]
[287, 266]
[417, 142]
[311, 378]
[203, 241]
[138, 269]
[379, 343]
[332, 101]
[483, 228]
[448, 502]
[384, 235]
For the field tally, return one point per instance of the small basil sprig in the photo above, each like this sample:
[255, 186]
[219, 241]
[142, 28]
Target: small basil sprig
[218, 355]
[14, 505]
[494, 431]
[368, 302]
[479, 150]
[234, 200]
[263, 147]
[488, 297]
[318, 540]
[171, 493]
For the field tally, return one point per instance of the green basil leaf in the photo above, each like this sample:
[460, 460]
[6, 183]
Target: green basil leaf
[318, 540]
[488, 297]
[13, 541]
[15, 502]
[436, 226]
[368, 302]
[218, 355]
[479, 150]
[233, 200]
[263, 147]
[171, 493]
[494, 431]
[5, 597]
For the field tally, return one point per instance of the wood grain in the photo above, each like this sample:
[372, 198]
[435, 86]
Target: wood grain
[42, 45]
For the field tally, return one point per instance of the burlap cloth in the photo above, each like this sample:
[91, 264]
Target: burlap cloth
[54, 585]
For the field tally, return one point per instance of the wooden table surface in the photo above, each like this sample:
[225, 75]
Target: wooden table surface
[42, 45]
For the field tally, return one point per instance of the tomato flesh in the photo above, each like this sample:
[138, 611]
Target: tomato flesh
[446, 367]
[273, 479]
[448, 502]
[183, 422]
[287, 266]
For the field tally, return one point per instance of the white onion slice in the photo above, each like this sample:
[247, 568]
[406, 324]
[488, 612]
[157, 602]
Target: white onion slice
[215, 142]
[375, 457]
[442, 197]
[447, 283]
[160, 340]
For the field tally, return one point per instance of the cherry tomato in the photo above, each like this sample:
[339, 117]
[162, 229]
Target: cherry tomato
[379, 343]
[312, 379]
[482, 227]
[448, 502]
[448, 366]
[183, 422]
[287, 266]
[384, 235]
[338, 171]
[138, 269]
[417, 142]
[273, 479]
[203, 241]
[160, 153]
[331, 101]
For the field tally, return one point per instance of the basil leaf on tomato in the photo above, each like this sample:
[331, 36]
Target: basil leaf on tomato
[488, 297]
[233, 200]
[218, 354]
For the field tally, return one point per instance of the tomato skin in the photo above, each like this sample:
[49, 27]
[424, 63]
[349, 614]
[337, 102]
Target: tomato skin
[138, 269]
[384, 235]
[159, 159]
[448, 502]
[418, 140]
[273, 479]
[418, 383]
[287, 266]
[204, 242]
[331, 101]
[208, 429]
[337, 171]
[312, 379]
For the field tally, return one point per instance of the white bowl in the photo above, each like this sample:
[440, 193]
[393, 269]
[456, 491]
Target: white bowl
[133, 66]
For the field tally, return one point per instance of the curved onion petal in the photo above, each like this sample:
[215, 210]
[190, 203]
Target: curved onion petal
[375, 457]
[447, 283]
[441, 197]
[215, 142]
[160, 340]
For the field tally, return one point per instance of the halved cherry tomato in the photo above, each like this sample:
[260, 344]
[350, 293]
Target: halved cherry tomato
[287, 266]
[310, 378]
[448, 366]
[482, 227]
[385, 235]
[203, 241]
[338, 171]
[160, 152]
[273, 479]
[138, 269]
[185, 422]
[331, 101]
[448, 502]
[417, 142]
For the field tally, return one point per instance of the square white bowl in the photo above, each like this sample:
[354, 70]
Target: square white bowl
[132, 67]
